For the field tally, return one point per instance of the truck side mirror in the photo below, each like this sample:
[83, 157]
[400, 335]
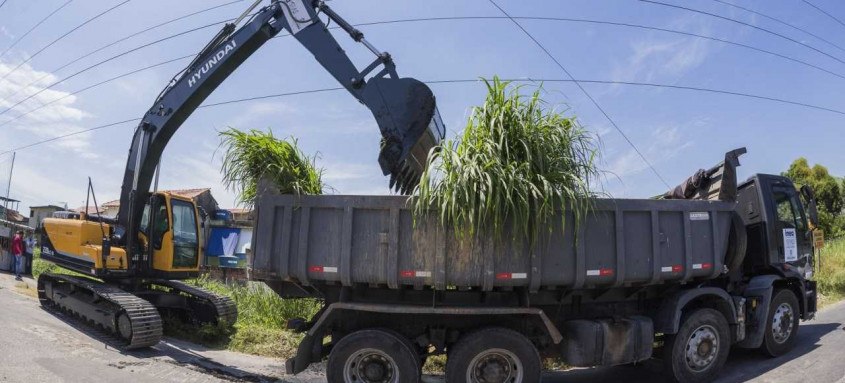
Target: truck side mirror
[810, 201]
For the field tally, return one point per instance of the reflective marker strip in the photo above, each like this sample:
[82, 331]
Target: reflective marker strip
[700, 266]
[413, 273]
[511, 275]
[672, 269]
[600, 273]
[322, 269]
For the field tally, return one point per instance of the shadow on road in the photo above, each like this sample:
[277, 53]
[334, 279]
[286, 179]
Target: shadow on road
[170, 351]
[742, 364]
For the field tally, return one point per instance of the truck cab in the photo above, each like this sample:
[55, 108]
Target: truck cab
[779, 222]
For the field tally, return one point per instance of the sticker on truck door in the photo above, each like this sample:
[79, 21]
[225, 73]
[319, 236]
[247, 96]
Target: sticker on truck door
[790, 245]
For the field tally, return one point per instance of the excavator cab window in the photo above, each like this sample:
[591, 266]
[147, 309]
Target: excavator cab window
[185, 236]
[162, 222]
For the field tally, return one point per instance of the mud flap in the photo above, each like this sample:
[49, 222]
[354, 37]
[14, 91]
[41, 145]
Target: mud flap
[309, 350]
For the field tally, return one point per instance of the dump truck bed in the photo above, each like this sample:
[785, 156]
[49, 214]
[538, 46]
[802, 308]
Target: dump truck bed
[374, 240]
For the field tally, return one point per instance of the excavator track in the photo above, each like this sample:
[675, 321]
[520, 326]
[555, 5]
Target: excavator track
[224, 308]
[135, 322]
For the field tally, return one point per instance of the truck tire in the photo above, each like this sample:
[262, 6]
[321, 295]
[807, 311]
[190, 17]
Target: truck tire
[373, 355]
[699, 349]
[781, 324]
[493, 355]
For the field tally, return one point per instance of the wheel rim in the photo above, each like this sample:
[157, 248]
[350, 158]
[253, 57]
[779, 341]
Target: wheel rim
[124, 326]
[370, 366]
[782, 323]
[702, 348]
[495, 366]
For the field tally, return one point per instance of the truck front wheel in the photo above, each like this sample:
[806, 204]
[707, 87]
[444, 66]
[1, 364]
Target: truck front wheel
[493, 355]
[699, 349]
[373, 356]
[781, 324]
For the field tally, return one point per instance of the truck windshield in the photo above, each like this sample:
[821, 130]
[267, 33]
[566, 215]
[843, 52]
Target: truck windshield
[185, 241]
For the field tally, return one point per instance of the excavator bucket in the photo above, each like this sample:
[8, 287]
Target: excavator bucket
[410, 125]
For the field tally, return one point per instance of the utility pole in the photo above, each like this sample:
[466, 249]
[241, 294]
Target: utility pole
[9, 187]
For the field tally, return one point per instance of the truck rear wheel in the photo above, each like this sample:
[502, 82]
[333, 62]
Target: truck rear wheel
[373, 356]
[493, 355]
[699, 349]
[781, 324]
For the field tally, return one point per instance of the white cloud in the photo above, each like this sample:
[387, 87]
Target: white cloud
[659, 59]
[60, 116]
[664, 57]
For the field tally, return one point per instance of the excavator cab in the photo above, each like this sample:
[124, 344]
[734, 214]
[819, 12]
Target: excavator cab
[170, 231]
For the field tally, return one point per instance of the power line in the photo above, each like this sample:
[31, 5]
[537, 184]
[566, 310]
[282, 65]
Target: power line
[448, 18]
[595, 103]
[33, 27]
[781, 22]
[107, 60]
[612, 23]
[769, 31]
[94, 86]
[453, 81]
[69, 63]
[28, 59]
[78, 132]
[3, 3]
[825, 12]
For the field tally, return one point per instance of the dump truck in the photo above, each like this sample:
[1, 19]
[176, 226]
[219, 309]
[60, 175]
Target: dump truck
[683, 277]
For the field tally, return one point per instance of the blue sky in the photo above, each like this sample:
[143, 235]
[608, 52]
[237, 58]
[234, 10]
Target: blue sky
[678, 131]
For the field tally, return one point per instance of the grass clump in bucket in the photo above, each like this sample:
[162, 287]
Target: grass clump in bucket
[253, 155]
[516, 161]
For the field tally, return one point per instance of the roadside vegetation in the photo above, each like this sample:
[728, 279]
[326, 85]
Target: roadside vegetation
[830, 274]
[261, 325]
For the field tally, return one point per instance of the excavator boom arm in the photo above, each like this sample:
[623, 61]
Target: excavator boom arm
[404, 108]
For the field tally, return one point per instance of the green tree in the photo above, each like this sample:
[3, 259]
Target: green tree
[829, 193]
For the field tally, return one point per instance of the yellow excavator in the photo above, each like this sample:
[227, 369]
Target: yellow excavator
[139, 257]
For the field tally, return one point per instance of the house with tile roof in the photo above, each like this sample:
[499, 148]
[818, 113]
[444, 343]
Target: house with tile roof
[201, 196]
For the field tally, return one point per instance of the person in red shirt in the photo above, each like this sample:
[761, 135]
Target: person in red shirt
[17, 250]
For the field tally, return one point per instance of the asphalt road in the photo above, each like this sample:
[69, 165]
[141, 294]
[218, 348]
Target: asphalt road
[39, 346]
[819, 357]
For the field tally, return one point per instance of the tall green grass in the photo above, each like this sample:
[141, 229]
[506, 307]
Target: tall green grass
[830, 272]
[517, 160]
[251, 156]
[262, 318]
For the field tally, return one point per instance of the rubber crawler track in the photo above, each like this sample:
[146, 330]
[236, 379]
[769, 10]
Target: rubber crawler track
[227, 311]
[146, 324]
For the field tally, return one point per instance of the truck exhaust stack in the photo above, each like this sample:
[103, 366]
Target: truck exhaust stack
[410, 125]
